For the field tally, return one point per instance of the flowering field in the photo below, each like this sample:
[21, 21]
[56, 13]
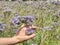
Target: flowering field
[48, 15]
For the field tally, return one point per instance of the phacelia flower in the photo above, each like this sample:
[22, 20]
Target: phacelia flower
[29, 31]
[14, 21]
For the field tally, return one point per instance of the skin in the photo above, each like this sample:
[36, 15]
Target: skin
[19, 37]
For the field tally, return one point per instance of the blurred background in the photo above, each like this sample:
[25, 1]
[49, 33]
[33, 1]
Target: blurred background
[29, 0]
[47, 12]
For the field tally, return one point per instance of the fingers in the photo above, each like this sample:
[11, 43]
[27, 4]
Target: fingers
[34, 26]
[30, 36]
[22, 26]
[31, 26]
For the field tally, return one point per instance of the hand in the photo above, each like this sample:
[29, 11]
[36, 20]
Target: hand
[21, 36]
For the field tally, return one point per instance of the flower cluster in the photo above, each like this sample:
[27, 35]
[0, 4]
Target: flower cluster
[15, 21]
[29, 31]
[47, 13]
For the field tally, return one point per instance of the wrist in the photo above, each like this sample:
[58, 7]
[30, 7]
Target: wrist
[19, 39]
[15, 38]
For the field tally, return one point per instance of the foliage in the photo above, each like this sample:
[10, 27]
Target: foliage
[48, 21]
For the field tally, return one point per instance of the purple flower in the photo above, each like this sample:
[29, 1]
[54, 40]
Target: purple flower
[2, 26]
[27, 19]
[29, 31]
[29, 16]
[14, 21]
[56, 2]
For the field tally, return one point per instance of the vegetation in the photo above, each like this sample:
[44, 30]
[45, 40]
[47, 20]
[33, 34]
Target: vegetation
[48, 21]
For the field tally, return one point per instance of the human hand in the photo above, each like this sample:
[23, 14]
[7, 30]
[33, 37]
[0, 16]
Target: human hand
[21, 36]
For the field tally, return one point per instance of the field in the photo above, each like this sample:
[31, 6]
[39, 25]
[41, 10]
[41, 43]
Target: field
[48, 20]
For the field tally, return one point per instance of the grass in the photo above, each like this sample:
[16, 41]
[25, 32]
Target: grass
[43, 36]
